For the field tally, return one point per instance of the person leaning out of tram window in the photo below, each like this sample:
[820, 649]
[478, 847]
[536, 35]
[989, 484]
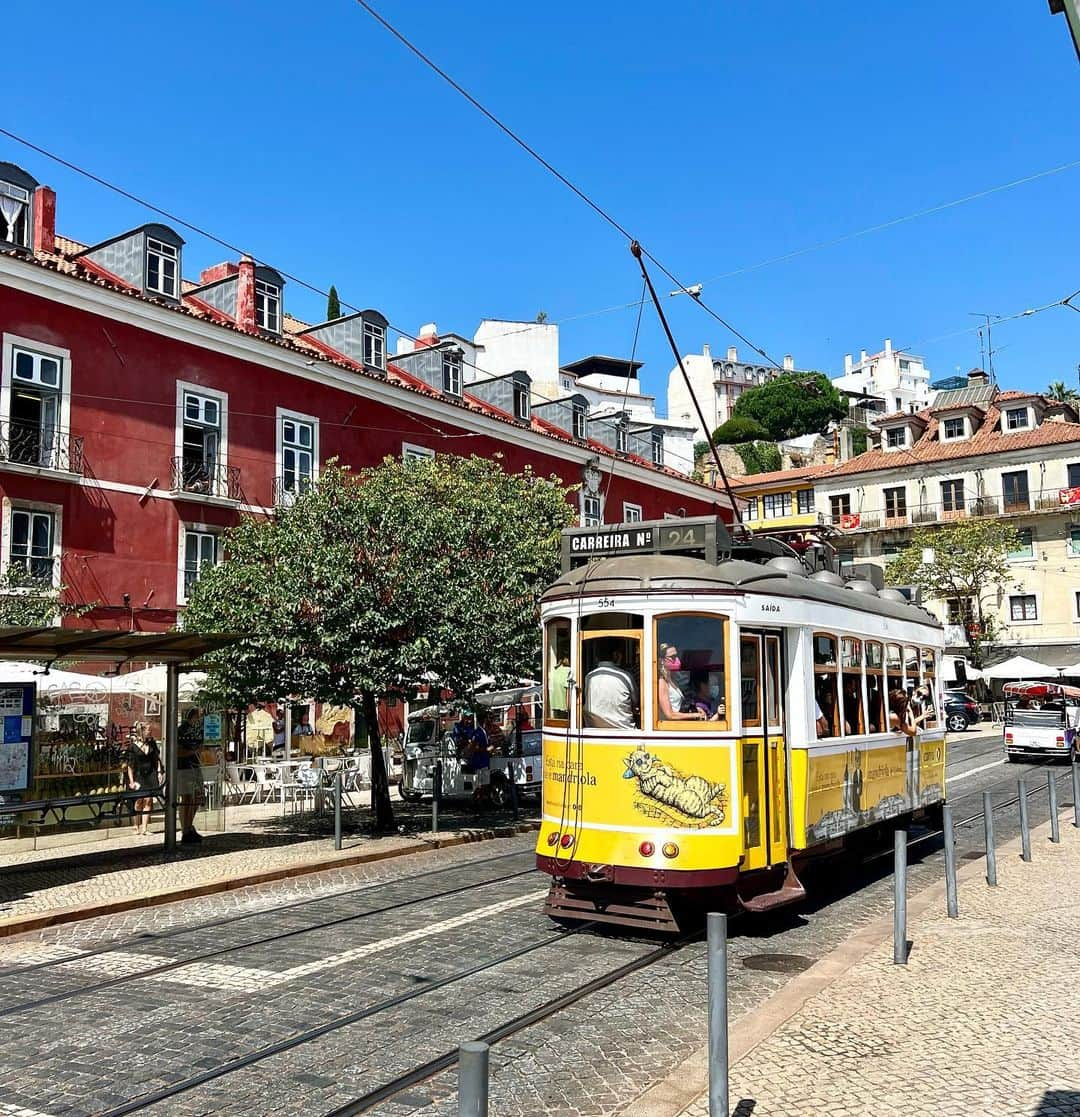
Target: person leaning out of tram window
[900, 714]
[670, 694]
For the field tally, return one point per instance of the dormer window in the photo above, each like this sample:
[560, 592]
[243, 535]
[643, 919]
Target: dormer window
[953, 429]
[162, 268]
[658, 448]
[1017, 419]
[896, 438]
[620, 439]
[14, 214]
[267, 306]
[581, 423]
[521, 402]
[374, 345]
[451, 372]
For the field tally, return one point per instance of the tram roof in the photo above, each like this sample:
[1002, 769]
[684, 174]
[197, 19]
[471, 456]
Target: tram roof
[778, 577]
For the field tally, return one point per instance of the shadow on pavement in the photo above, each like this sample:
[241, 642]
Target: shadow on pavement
[1059, 1103]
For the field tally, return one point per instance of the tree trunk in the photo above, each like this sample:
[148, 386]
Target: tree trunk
[381, 807]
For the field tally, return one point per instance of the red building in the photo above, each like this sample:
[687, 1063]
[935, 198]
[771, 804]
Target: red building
[141, 414]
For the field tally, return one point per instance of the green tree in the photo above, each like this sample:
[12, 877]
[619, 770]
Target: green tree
[333, 305]
[370, 581]
[28, 601]
[739, 429]
[759, 457]
[792, 404]
[1060, 391]
[970, 565]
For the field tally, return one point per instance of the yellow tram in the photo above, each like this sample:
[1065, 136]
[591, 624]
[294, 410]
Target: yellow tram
[718, 712]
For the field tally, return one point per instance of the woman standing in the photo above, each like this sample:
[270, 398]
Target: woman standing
[669, 693]
[144, 774]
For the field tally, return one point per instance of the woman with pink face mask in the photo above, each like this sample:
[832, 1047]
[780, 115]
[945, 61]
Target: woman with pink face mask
[669, 693]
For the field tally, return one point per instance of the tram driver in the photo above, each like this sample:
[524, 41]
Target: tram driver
[611, 699]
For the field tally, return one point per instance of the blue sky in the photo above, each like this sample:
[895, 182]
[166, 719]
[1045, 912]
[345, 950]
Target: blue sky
[721, 133]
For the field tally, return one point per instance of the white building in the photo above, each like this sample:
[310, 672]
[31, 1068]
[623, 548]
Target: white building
[717, 385]
[899, 378]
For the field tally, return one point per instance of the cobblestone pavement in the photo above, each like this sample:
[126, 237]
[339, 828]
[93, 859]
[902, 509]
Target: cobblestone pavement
[981, 1022]
[82, 1053]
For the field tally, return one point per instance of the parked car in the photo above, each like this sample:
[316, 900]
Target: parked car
[961, 711]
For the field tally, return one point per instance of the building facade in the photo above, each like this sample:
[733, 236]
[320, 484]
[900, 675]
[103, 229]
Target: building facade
[142, 414]
[895, 376]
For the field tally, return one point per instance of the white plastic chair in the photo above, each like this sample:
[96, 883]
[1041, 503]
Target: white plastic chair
[237, 785]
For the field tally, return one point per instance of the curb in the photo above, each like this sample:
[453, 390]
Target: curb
[36, 921]
[689, 1080]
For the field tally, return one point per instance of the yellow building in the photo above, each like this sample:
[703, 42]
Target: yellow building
[784, 499]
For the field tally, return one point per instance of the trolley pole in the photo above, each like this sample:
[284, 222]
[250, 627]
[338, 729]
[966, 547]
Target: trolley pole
[337, 809]
[988, 831]
[1025, 831]
[718, 1015]
[1076, 791]
[473, 1079]
[1055, 823]
[951, 905]
[899, 952]
[436, 792]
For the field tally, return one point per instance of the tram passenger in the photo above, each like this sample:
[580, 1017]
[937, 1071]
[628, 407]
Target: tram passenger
[611, 698]
[900, 714]
[669, 693]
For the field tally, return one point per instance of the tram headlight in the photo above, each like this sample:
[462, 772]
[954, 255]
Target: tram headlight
[646, 849]
[670, 849]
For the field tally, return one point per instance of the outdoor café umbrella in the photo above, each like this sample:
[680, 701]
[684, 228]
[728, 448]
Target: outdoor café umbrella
[1020, 667]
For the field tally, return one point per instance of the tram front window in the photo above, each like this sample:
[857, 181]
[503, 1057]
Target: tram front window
[557, 671]
[611, 668]
[694, 680]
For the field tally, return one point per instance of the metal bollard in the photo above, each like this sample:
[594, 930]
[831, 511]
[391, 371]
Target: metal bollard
[513, 791]
[1055, 822]
[718, 1015]
[1025, 832]
[988, 830]
[1076, 792]
[951, 905]
[899, 950]
[337, 809]
[436, 792]
[473, 1079]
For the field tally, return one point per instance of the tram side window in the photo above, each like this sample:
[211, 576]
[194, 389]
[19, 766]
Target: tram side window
[694, 679]
[876, 705]
[894, 667]
[557, 671]
[825, 691]
[911, 669]
[611, 670]
[929, 678]
[852, 687]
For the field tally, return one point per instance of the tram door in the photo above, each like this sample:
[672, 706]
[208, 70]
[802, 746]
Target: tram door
[764, 779]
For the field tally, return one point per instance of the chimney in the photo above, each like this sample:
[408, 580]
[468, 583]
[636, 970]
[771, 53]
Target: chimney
[977, 377]
[427, 336]
[245, 295]
[789, 363]
[732, 353]
[706, 352]
[45, 219]
[847, 363]
[218, 271]
[888, 347]
[862, 356]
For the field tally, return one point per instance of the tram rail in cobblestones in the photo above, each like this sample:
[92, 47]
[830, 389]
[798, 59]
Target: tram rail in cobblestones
[216, 924]
[179, 963]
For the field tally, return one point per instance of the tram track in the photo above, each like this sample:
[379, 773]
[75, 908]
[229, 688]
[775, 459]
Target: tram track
[217, 924]
[429, 1068]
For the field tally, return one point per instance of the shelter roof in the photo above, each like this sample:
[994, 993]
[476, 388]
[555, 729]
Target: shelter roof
[111, 646]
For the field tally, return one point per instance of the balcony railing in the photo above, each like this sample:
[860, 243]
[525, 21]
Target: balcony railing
[206, 479]
[288, 489]
[43, 447]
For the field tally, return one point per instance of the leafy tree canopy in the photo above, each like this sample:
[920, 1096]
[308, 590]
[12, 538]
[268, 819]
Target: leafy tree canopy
[970, 564]
[739, 429]
[333, 305]
[1059, 390]
[29, 601]
[792, 404]
[759, 457]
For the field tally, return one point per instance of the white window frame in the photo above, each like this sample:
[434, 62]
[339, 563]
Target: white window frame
[374, 345]
[265, 291]
[1038, 608]
[891, 514]
[410, 452]
[890, 432]
[962, 420]
[580, 416]
[13, 342]
[658, 451]
[1076, 602]
[166, 254]
[452, 374]
[522, 410]
[769, 500]
[799, 501]
[587, 520]
[24, 197]
[285, 415]
[954, 481]
[1069, 552]
[198, 529]
[1006, 426]
[222, 398]
[54, 510]
[631, 513]
[839, 496]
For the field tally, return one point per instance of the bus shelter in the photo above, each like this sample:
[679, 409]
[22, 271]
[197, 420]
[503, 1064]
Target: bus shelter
[176, 651]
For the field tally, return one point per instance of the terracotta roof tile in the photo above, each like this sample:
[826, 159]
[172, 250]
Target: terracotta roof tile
[803, 473]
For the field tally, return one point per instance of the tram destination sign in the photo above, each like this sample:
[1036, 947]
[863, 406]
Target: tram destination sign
[701, 535]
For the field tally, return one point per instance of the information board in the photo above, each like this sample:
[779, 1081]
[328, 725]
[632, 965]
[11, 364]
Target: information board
[17, 702]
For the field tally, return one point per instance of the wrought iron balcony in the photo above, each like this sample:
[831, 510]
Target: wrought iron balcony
[43, 447]
[202, 478]
[288, 489]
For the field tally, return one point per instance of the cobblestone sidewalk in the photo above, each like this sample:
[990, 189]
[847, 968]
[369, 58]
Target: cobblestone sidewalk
[981, 1023]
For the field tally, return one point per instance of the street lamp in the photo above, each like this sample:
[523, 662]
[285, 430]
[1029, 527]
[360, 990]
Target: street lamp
[1070, 9]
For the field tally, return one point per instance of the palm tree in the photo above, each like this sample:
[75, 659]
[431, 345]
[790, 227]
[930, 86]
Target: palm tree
[1058, 390]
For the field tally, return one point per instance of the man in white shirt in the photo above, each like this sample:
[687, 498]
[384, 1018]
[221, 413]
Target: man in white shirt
[611, 693]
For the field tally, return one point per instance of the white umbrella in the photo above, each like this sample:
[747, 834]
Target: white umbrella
[1020, 667]
[19, 671]
[153, 680]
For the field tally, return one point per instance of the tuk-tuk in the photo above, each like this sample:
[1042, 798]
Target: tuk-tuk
[1041, 719]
